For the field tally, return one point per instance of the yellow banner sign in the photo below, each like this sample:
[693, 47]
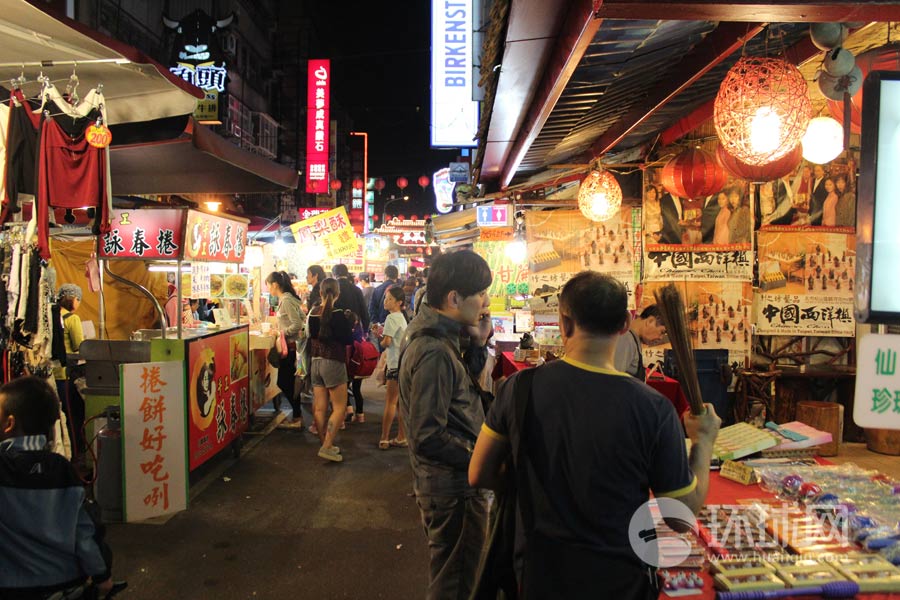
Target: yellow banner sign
[331, 230]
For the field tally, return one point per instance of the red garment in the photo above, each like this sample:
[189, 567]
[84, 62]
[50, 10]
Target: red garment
[71, 174]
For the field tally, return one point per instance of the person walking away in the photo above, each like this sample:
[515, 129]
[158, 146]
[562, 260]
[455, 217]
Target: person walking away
[329, 335]
[420, 291]
[394, 328]
[51, 542]
[442, 410]
[69, 299]
[290, 322]
[359, 335]
[647, 328]
[575, 543]
[315, 275]
[377, 312]
[366, 289]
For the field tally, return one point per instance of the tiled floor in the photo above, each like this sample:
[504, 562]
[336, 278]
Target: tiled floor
[862, 456]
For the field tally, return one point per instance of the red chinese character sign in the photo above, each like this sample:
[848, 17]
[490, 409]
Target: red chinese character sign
[317, 124]
[214, 238]
[153, 417]
[218, 395]
[145, 234]
[330, 230]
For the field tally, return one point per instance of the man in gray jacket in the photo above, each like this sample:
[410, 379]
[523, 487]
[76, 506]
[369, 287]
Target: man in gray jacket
[443, 413]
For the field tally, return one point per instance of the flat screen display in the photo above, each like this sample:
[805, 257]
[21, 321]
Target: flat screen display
[878, 206]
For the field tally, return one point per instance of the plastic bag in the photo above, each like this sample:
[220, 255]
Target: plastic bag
[381, 369]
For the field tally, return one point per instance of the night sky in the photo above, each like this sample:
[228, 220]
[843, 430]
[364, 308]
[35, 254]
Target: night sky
[380, 54]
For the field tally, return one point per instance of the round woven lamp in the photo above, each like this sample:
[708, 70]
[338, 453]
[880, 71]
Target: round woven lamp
[599, 197]
[762, 109]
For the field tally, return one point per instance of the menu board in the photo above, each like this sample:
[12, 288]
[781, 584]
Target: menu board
[214, 238]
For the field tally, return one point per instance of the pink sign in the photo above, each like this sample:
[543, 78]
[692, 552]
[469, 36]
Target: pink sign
[317, 123]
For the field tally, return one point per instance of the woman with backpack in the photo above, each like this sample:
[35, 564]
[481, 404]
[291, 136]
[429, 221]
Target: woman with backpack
[329, 336]
[290, 322]
[394, 329]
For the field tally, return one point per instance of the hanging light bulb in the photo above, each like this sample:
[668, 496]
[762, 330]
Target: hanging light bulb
[516, 251]
[279, 248]
[823, 141]
[765, 130]
[599, 197]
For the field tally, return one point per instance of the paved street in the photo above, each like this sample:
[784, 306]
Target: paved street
[288, 524]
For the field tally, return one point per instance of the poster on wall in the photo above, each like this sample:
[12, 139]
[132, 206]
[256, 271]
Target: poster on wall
[681, 265]
[806, 281]
[720, 221]
[510, 277]
[156, 479]
[812, 196]
[562, 243]
[218, 402]
[718, 316]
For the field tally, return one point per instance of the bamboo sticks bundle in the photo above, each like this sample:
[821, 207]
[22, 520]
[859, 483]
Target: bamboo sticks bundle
[670, 304]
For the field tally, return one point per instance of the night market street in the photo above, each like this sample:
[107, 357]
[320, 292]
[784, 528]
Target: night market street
[283, 523]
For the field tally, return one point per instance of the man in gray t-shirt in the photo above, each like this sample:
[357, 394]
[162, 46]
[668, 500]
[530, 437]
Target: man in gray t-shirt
[647, 328]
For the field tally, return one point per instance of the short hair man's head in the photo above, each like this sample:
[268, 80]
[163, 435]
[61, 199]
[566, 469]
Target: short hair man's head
[391, 272]
[316, 273]
[650, 325]
[425, 272]
[340, 270]
[364, 277]
[28, 406]
[458, 285]
[595, 303]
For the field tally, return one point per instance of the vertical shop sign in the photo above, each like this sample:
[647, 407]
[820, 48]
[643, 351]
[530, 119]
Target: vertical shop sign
[877, 403]
[153, 439]
[218, 395]
[317, 123]
[454, 115]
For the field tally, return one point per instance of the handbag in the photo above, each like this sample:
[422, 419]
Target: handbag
[381, 369]
[274, 356]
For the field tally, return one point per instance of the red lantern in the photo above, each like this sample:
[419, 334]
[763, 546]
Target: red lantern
[357, 184]
[880, 59]
[774, 170]
[414, 217]
[336, 184]
[424, 181]
[401, 217]
[402, 182]
[379, 184]
[375, 217]
[693, 174]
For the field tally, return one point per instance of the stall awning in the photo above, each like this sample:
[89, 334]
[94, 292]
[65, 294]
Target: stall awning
[197, 162]
[136, 87]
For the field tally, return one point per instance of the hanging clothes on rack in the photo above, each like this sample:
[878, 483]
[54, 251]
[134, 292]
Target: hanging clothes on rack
[21, 153]
[71, 172]
[4, 128]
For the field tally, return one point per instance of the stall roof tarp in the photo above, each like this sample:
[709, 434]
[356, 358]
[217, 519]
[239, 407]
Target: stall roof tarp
[197, 162]
[136, 87]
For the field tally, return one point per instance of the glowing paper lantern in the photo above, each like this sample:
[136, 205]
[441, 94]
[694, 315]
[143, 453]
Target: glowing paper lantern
[599, 197]
[336, 184]
[762, 109]
[824, 140]
[424, 181]
[402, 182]
[379, 184]
[357, 184]
[693, 174]
[760, 173]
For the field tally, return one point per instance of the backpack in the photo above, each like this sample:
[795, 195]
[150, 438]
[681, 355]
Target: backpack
[363, 358]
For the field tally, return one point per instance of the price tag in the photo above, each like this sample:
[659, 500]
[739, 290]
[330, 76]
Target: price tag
[99, 136]
[739, 472]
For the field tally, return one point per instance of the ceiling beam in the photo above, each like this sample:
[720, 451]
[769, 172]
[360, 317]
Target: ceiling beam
[576, 35]
[797, 54]
[719, 45]
[810, 11]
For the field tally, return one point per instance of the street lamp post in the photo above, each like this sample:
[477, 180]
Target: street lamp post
[389, 201]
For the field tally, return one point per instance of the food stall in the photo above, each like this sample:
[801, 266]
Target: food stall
[217, 361]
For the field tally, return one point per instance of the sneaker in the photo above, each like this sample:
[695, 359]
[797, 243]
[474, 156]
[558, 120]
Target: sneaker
[395, 443]
[312, 429]
[360, 417]
[333, 454]
[298, 424]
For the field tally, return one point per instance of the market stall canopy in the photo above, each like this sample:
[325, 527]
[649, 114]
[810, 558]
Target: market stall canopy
[197, 162]
[137, 88]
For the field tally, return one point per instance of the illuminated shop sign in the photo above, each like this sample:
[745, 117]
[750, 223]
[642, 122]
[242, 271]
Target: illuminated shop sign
[454, 115]
[317, 126]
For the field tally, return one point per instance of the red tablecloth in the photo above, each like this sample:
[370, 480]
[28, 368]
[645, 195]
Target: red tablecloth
[668, 387]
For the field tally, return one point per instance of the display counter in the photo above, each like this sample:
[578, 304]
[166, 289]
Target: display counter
[263, 376]
[217, 380]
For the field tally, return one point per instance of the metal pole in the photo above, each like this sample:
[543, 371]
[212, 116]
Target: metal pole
[179, 300]
[61, 63]
[102, 325]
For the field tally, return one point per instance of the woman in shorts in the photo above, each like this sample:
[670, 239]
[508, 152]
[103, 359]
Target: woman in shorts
[394, 328]
[329, 336]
